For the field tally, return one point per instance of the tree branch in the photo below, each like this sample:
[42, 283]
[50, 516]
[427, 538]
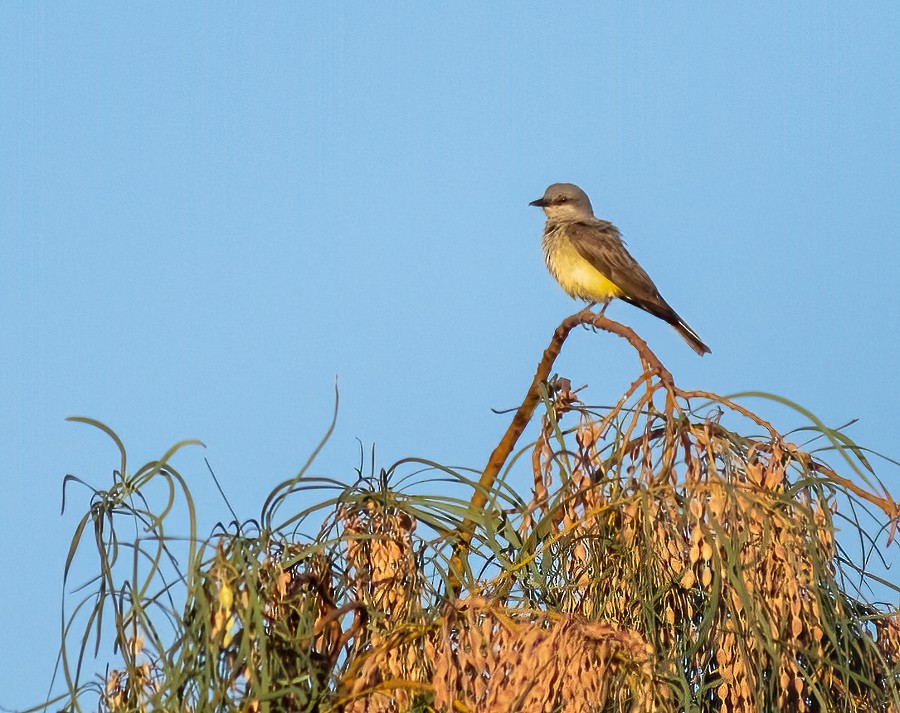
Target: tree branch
[520, 420]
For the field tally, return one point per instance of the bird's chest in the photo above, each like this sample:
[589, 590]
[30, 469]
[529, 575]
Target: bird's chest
[575, 275]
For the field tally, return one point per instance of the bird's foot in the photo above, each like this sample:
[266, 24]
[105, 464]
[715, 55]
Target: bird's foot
[590, 325]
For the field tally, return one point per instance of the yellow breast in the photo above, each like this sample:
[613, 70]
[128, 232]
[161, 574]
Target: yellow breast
[575, 274]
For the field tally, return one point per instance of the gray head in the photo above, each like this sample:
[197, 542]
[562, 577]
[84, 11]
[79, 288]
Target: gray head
[565, 201]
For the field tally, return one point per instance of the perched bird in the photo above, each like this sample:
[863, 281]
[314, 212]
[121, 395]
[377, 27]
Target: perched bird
[587, 257]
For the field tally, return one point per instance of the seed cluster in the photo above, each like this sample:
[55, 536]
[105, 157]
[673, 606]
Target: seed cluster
[687, 532]
[395, 653]
[494, 659]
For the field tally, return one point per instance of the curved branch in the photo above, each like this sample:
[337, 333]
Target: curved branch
[520, 420]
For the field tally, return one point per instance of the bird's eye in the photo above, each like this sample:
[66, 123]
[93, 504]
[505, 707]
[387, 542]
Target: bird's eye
[563, 199]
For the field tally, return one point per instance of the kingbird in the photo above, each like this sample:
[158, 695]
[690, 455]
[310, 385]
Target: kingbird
[588, 258]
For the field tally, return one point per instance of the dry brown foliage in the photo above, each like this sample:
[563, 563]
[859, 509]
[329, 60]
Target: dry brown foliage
[494, 659]
[665, 562]
[478, 655]
[394, 654]
[731, 559]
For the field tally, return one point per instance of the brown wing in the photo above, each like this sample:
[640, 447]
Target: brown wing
[599, 242]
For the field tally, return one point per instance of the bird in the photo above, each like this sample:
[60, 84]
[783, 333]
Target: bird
[589, 260]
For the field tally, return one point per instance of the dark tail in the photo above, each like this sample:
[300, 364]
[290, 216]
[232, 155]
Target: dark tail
[690, 336]
[658, 307]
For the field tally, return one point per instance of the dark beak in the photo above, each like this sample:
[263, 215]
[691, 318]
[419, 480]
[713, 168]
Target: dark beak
[540, 203]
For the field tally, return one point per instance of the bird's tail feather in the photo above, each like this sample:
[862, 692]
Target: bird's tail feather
[660, 308]
[691, 337]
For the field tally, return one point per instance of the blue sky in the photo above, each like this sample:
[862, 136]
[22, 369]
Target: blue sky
[211, 211]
